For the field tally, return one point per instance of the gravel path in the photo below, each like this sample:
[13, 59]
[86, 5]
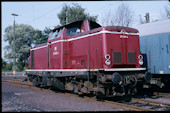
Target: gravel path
[17, 99]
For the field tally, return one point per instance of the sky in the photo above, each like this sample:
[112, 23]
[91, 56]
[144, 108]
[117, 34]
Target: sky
[43, 14]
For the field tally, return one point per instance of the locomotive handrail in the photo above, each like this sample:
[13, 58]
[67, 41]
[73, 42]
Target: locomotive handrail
[101, 69]
[125, 69]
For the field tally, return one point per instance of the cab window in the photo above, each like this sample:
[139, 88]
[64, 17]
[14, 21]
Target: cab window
[72, 31]
[59, 34]
[53, 35]
[56, 34]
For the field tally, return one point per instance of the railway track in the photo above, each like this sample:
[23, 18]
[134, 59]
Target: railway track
[156, 106]
[167, 95]
[135, 105]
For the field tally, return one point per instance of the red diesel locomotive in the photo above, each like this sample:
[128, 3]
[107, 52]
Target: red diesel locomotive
[84, 57]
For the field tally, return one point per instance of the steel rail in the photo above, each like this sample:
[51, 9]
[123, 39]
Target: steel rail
[167, 95]
[130, 107]
[154, 103]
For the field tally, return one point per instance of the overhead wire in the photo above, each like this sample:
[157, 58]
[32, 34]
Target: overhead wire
[45, 14]
[102, 8]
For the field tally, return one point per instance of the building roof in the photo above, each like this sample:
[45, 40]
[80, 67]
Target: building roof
[153, 28]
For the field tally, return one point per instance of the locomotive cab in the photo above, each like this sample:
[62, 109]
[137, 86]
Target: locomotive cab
[122, 48]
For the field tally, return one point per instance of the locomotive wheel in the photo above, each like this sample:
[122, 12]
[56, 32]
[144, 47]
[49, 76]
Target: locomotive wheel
[100, 95]
[139, 89]
[75, 89]
[133, 91]
[30, 78]
[127, 97]
[35, 81]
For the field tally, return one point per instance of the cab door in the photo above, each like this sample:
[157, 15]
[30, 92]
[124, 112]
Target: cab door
[49, 48]
[49, 55]
[56, 50]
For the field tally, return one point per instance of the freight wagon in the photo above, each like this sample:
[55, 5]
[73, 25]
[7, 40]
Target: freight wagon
[155, 44]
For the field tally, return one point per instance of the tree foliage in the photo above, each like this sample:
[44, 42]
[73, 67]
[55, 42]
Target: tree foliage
[6, 66]
[41, 36]
[3, 63]
[76, 12]
[19, 47]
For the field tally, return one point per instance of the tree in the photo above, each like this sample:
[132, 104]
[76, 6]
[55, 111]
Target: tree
[3, 64]
[76, 12]
[6, 66]
[19, 47]
[42, 36]
[107, 21]
[165, 14]
[122, 17]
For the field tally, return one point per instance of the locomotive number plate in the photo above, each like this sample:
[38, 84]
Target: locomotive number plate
[123, 36]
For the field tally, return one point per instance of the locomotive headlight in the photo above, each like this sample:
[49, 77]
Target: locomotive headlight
[140, 57]
[107, 56]
[141, 62]
[107, 62]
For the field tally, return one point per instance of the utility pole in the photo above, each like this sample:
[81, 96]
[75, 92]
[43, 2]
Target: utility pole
[14, 65]
[67, 15]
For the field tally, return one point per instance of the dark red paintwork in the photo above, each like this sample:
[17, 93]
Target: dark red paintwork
[88, 49]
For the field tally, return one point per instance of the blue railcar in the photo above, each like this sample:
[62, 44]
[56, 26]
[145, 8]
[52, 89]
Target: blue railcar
[155, 44]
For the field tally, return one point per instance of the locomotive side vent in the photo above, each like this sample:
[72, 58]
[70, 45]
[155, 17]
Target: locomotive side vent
[131, 57]
[65, 63]
[82, 62]
[117, 57]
